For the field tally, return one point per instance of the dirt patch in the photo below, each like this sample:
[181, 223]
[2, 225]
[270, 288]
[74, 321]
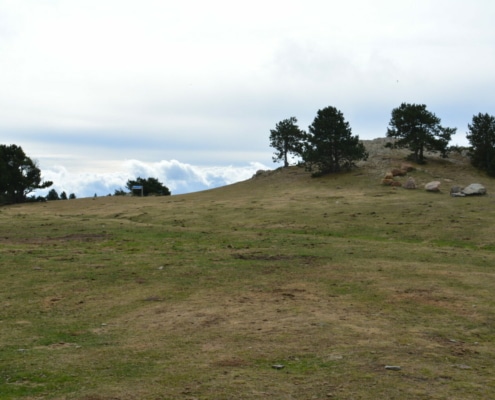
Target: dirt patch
[58, 346]
[81, 237]
[231, 362]
[256, 256]
[438, 298]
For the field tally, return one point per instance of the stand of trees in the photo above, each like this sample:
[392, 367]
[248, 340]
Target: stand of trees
[330, 147]
[53, 195]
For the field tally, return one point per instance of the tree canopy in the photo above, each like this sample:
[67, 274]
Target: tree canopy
[481, 136]
[52, 195]
[419, 130]
[329, 145]
[150, 186]
[286, 139]
[19, 175]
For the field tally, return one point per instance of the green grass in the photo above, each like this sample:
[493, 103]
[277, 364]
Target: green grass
[198, 296]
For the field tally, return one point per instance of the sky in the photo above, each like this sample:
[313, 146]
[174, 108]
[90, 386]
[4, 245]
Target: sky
[102, 91]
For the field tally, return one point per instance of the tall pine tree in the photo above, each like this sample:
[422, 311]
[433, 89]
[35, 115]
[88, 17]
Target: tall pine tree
[330, 146]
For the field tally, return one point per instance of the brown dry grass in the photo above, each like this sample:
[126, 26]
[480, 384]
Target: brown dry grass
[199, 296]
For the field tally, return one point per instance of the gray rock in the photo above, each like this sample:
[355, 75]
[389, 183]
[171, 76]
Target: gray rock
[456, 191]
[474, 189]
[433, 186]
[410, 183]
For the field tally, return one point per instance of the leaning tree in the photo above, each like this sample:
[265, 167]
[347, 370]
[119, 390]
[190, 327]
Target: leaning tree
[19, 175]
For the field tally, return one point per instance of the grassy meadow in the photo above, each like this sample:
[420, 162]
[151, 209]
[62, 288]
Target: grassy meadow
[279, 287]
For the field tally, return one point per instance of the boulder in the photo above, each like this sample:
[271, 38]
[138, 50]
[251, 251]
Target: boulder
[398, 172]
[433, 186]
[407, 167]
[474, 189]
[410, 183]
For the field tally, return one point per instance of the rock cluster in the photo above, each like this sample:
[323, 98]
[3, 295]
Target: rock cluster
[474, 189]
[389, 180]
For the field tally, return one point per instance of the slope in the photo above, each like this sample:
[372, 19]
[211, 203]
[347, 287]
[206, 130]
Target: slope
[282, 286]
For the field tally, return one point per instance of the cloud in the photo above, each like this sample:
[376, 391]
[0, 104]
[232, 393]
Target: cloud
[90, 84]
[178, 177]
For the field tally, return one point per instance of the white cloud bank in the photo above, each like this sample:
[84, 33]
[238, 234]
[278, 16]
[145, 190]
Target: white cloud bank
[178, 177]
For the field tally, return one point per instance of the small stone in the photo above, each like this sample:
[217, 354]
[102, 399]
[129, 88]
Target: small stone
[393, 367]
[461, 366]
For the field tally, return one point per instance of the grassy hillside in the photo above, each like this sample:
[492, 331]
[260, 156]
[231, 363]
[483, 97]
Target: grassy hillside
[199, 296]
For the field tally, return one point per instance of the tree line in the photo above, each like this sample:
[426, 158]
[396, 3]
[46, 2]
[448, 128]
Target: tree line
[329, 145]
[20, 176]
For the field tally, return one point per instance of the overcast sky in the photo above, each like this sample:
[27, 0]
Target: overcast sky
[102, 91]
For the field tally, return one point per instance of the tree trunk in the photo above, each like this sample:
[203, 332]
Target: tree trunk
[286, 150]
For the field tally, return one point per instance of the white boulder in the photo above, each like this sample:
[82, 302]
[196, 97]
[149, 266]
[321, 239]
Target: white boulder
[474, 189]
